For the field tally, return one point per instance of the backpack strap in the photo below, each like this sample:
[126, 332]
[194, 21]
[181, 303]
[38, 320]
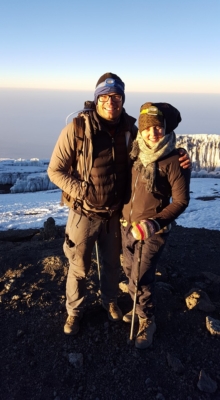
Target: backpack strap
[79, 129]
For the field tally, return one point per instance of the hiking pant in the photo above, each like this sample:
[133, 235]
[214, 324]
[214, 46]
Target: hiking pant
[81, 234]
[151, 251]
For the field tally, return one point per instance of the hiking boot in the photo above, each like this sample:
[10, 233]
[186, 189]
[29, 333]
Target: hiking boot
[144, 338]
[71, 326]
[114, 312]
[128, 317]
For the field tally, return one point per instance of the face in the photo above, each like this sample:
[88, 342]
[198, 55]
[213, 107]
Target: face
[110, 109]
[152, 135]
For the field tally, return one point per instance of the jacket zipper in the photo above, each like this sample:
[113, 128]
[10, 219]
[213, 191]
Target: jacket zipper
[113, 157]
[133, 197]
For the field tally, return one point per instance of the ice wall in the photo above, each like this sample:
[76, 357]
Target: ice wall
[204, 150]
[25, 175]
[31, 175]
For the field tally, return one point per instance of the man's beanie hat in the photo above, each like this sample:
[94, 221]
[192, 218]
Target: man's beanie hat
[109, 83]
[155, 114]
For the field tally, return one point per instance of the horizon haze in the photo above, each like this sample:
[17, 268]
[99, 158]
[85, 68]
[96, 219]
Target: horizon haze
[31, 120]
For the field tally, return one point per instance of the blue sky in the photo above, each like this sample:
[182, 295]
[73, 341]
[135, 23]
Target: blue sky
[161, 46]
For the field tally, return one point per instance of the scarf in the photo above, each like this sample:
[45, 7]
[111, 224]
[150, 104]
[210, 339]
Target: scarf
[146, 157]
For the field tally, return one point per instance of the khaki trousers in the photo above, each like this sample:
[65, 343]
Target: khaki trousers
[81, 234]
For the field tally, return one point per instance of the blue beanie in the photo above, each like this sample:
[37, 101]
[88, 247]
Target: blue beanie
[109, 83]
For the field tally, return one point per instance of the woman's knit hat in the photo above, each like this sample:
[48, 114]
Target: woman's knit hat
[109, 83]
[159, 114]
[150, 116]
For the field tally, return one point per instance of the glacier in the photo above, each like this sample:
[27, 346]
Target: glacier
[204, 152]
[31, 175]
[25, 175]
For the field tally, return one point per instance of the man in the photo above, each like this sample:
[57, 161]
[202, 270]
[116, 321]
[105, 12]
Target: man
[94, 182]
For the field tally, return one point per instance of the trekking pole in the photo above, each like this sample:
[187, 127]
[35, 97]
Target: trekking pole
[136, 289]
[97, 258]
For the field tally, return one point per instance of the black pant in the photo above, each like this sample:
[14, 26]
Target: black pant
[151, 251]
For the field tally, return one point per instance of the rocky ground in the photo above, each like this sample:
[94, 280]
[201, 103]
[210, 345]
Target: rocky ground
[39, 362]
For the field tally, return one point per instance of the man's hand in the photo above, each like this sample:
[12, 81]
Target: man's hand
[184, 159]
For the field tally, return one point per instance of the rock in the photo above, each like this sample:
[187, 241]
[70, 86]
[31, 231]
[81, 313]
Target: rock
[205, 383]
[165, 286]
[148, 382]
[159, 396]
[212, 277]
[20, 333]
[18, 235]
[175, 364]
[50, 230]
[161, 274]
[213, 325]
[124, 286]
[197, 298]
[201, 285]
[76, 359]
[15, 297]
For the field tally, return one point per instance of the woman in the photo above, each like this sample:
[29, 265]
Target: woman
[147, 214]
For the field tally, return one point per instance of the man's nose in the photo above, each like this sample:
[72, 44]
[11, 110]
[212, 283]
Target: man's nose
[110, 99]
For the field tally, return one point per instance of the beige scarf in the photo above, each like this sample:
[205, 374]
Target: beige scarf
[146, 157]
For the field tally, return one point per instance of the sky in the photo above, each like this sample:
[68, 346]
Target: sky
[31, 210]
[52, 53]
[161, 46]
[31, 120]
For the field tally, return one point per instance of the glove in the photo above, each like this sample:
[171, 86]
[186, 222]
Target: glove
[144, 229]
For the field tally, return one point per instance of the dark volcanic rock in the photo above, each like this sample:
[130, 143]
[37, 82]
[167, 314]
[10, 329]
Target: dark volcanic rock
[35, 355]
